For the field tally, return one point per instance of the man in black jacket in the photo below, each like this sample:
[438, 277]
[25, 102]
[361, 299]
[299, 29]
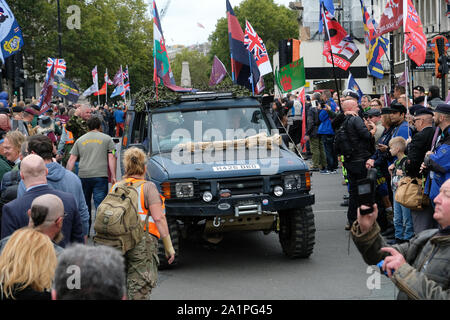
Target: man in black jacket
[34, 175]
[420, 144]
[362, 142]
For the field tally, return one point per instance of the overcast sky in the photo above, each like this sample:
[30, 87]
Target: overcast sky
[180, 22]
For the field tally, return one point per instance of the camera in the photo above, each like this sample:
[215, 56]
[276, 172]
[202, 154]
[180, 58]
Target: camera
[367, 191]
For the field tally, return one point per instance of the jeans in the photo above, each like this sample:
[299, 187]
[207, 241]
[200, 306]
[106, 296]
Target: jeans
[403, 223]
[96, 188]
[328, 144]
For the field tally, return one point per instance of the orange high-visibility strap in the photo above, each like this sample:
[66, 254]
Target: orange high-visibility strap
[70, 135]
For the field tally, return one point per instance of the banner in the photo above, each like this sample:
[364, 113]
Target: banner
[338, 42]
[415, 45]
[66, 89]
[47, 91]
[60, 66]
[291, 76]
[218, 72]
[391, 19]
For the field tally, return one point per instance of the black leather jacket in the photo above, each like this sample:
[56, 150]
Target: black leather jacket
[360, 138]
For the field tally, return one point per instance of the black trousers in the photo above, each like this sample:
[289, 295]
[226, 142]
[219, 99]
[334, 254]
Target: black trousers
[356, 170]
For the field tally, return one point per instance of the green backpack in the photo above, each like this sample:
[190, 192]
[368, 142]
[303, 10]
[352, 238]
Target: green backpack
[117, 223]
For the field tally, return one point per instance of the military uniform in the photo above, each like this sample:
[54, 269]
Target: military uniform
[142, 268]
[77, 126]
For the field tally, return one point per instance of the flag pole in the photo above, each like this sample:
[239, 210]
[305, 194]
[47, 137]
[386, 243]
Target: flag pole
[324, 21]
[129, 81]
[106, 96]
[251, 72]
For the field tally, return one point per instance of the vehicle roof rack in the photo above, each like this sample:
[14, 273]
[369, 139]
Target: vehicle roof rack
[207, 96]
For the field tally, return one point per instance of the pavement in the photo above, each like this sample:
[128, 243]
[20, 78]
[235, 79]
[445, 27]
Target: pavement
[252, 265]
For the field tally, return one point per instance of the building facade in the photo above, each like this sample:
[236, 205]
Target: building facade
[348, 13]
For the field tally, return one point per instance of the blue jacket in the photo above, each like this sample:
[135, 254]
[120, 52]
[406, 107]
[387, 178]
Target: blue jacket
[62, 179]
[325, 123]
[15, 214]
[439, 165]
[402, 131]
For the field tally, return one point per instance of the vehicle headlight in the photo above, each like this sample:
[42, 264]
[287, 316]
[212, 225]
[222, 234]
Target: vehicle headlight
[184, 189]
[207, 196]
[278, 191]
[293, 182]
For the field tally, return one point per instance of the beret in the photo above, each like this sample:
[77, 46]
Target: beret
[443, 108]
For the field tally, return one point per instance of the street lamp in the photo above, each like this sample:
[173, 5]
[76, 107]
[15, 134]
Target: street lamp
[59, 31]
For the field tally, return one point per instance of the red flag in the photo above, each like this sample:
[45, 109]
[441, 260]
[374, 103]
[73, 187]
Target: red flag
[101, 92]
[391, 19]
[303, 101]
[339, 42]
[415, 45]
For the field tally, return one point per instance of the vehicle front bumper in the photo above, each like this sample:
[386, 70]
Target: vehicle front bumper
[199, 208]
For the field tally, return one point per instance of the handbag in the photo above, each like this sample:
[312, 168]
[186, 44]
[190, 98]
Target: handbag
[410, 193]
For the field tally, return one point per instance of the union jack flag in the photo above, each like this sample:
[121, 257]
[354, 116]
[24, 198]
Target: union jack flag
[254, 43]
[412, 14]
[60, 66]
[125, 73]
[256, 46]
[127, 86]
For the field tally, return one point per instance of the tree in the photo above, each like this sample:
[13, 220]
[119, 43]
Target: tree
[272, 22]
[199, 67]
[112, 33]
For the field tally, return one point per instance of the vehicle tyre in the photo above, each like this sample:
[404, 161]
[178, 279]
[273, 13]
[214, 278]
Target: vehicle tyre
[297, 232]
[174, 232]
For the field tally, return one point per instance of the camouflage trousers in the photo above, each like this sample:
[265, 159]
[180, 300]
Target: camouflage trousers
[142, 268]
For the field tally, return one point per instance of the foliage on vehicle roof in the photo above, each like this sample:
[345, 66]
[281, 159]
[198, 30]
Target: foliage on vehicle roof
[146, 97]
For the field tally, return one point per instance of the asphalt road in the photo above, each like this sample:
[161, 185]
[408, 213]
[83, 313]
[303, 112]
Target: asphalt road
[252, 265]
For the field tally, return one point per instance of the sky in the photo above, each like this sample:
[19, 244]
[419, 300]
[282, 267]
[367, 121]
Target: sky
[180, 22]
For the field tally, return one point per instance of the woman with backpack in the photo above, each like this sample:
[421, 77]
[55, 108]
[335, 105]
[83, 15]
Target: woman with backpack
[142, 260]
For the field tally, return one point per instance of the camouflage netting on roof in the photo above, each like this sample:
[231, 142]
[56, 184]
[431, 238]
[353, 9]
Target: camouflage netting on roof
[147, 95]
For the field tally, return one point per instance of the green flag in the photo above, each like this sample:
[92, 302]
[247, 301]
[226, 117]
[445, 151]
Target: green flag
[291, 76]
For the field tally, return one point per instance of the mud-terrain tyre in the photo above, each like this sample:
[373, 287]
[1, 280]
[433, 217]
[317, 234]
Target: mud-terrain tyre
[174, 232]
[297, 232]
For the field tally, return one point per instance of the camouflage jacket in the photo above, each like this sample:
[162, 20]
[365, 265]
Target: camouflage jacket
[426, 273]
[77, 126]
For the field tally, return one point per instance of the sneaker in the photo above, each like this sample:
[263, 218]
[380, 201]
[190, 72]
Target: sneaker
[345, 197]
[314, 169]
[333, 172]
[345, 203]
[324, 171]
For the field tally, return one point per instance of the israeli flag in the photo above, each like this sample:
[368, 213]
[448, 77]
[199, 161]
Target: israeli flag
[11, 39]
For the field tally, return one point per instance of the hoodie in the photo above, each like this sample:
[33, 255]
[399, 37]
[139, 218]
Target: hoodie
[62, 179]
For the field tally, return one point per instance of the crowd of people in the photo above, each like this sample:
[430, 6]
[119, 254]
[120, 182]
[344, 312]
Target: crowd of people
[396, 137]
[53, 165]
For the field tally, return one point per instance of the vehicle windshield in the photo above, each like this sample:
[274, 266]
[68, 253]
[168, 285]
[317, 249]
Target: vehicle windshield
[172, 128]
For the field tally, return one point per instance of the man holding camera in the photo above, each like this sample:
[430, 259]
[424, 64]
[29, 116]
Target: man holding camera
[419, 268]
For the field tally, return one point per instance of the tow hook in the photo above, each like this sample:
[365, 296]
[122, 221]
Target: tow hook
[216, 222]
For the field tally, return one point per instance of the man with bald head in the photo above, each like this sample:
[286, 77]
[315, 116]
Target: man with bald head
[46, 216]
[363, 145]
[15, 213]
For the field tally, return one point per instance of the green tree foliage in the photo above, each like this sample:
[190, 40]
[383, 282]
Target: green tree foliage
[112, 33]
[272, 22]
[199, 67]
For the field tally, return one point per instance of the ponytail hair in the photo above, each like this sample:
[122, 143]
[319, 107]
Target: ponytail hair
[134, 161]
